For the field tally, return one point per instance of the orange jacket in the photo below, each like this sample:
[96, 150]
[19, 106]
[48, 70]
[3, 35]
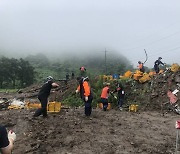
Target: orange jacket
[86, 88]
[105, 92]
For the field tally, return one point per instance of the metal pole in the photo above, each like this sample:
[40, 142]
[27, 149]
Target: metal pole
[105, 62]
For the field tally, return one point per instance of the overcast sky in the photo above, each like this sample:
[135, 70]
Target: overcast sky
[124, 26]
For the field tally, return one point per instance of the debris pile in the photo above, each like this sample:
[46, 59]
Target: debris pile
[4, 103]
[155, 92]
[19, 100]
[159, 93]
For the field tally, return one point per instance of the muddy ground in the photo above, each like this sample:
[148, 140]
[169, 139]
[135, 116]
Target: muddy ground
[151, 130]
[105, 132]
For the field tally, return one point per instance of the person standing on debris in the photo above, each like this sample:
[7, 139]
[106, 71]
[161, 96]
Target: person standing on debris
[141, 66]
[120, 93]
[105, 96]
[85, 93]
[43, 96]
[157, 63]
[72, 75]
[6, 140]
[82, 71]
[67, 78]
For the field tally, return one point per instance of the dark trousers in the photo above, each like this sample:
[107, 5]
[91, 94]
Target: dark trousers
[43, 109]
[142, 70]
[105, 103]
[120, 102]
[156, 68]
[88, 107]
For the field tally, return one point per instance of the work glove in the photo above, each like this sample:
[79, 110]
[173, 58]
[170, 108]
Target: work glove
[11, 135]
[77, 91]
[86, 98]
[177, 125]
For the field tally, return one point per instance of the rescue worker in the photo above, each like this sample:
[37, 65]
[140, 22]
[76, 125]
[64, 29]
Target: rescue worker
[67, 76]
[82, 71]
[43, 96]
[157, 63]
[6, 140]
[105, 96]
[120, 93]
[72, 75]
[85, 93]
[141, 66]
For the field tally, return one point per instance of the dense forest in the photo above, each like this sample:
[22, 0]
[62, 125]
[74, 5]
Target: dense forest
[15, 73]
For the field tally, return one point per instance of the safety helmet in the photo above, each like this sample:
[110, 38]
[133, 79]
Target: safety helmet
[49, 78]
[86, 78]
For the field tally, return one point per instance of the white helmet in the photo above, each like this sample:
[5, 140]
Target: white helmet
[85, 78]
[49, 78]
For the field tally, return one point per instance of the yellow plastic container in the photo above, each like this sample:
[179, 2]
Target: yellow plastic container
[54, 107]
[145, 78]
[133, 107]
[175, 67]
[161, 71]
[109, 106]
[128, 74]
[137, 76]
[51, 107]
[33, 105]
[100, 105]
[152, 73]
[15, 107]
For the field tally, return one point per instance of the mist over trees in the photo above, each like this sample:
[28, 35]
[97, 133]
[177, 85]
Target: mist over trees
[19, 73]
[96, 63]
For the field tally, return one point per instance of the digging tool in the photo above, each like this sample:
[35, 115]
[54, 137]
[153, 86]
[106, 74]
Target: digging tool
[177, 135]
[113, 95]
[146, 56]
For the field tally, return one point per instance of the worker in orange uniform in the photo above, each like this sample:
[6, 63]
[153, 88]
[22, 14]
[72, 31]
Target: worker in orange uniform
[141, 66]
[85, 93]
[105, 96]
